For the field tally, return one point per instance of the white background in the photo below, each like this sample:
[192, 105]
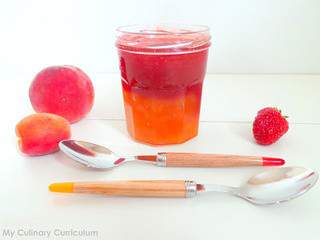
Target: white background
[249, 36]
[228, 107]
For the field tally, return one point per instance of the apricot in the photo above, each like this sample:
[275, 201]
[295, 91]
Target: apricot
[63, 90]
[40, 133]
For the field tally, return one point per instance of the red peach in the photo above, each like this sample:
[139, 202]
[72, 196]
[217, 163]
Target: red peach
[40, 133]
[63, 90]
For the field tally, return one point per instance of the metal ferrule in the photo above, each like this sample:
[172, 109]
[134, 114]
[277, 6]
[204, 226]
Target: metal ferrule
[191, 189]
[161, 160]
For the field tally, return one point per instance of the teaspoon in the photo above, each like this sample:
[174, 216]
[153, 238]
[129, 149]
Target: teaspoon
[269, 187]
[96, 156]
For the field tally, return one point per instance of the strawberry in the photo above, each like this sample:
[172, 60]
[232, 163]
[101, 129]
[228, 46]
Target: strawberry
[269, 125]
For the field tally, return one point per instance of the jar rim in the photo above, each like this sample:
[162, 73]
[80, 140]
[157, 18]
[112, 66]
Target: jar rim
[162, 29]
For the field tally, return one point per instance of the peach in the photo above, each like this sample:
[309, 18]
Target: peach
[40, 133]
[63, 90]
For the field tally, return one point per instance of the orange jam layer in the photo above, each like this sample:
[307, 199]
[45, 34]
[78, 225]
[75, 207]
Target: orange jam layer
[160, 121]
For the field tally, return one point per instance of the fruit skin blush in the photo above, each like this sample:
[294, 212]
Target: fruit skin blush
[162, 71]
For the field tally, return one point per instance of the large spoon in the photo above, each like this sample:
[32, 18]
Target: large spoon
[96, 156]
[272, 186]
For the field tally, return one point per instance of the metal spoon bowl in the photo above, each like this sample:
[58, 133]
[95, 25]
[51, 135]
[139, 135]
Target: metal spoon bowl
[272, 186]
[91, 155]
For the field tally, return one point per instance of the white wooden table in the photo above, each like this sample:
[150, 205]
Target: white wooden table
[229, 105]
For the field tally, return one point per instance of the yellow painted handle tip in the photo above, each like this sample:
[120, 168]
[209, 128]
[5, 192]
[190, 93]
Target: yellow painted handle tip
[66, 187]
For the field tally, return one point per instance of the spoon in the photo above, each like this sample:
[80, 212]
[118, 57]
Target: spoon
[96, 156]
[269, 187]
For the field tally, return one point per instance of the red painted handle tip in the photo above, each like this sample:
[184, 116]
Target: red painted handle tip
[269, 161]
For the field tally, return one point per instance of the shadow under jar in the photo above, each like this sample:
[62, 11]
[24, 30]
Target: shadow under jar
[162, 71]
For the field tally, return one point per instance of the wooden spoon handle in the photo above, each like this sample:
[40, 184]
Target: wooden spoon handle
[140, 188]
[207, 160]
